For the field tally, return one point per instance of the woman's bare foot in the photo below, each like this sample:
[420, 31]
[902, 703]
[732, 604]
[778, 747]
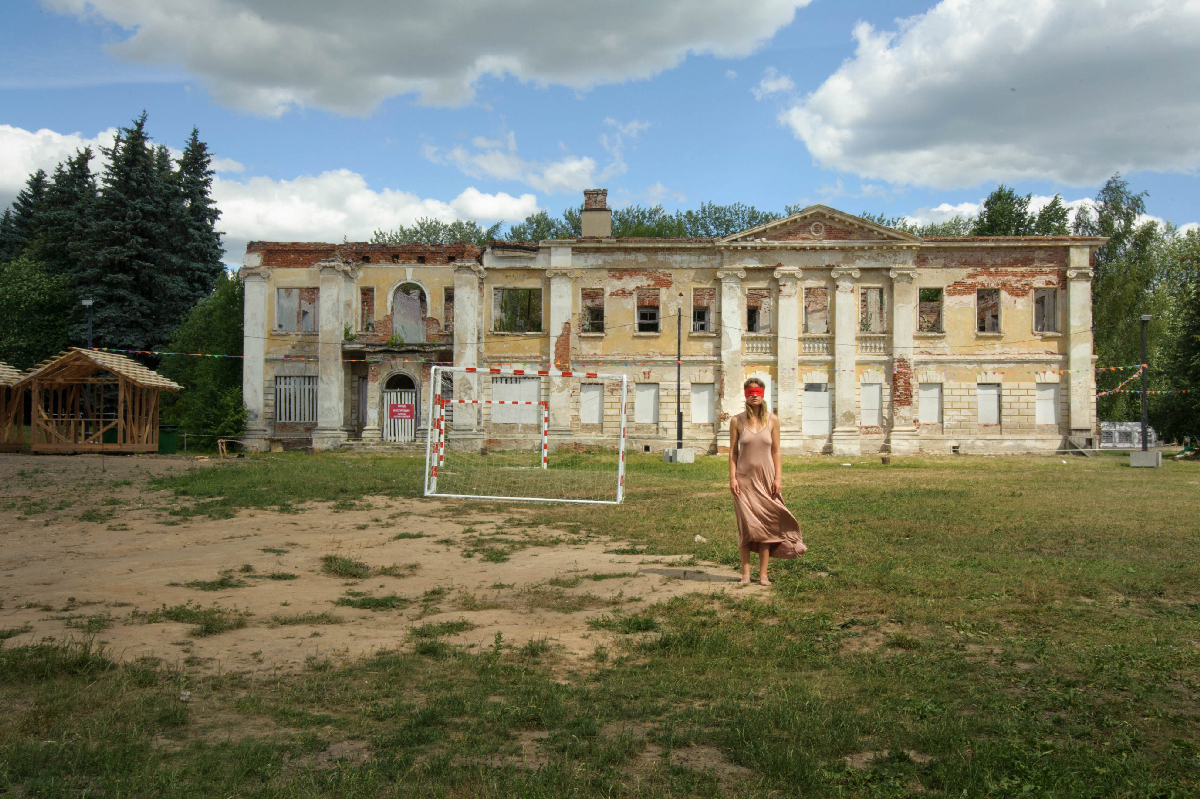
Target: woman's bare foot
[764, 581]
[745, 580]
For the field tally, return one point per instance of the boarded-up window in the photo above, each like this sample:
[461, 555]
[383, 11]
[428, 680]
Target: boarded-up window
[1047, 403]
[988, 395]
[447, 309]
[703, 301]
[647, 311]
[517, 310]
[367, 305]
[817, 410]
[1045, 310]
[929, 398]
[758, 310]
[591, 403]
[523, 390]
[296, 310]
[816, 311]
[871, 404]
[592, 301]
[870, 310]
[702, 403]
[929, 311]
[645, 403]
[987, 310]
[295, 399]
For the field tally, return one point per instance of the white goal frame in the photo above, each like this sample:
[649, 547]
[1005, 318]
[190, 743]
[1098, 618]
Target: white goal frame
[435, 440]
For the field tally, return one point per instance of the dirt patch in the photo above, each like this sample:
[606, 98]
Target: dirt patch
[712, 759]
[460, 571]
[863, 760]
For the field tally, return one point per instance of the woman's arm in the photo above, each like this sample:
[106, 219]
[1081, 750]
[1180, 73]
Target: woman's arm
[776, 455]
[733, 448]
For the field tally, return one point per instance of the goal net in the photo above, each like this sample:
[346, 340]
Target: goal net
[490, 434]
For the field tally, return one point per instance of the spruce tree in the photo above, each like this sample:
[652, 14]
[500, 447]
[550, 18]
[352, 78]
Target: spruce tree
[22, 223]
[66, 216]
[199, 242]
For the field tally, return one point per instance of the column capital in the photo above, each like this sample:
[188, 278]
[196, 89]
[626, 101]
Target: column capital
[558, 271]
[731, 274]
[902, 275]
[254, 272]
[844, 274]
[1080, 274]
[788, 273]
[469, 266]
[335, 265]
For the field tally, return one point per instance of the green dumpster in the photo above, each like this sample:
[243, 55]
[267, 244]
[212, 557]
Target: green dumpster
[168, 440]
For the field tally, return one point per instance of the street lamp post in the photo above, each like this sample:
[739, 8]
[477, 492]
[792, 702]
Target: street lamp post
[1145, 368]
[88, 304]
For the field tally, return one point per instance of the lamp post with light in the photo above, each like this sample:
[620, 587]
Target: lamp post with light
[88, 304]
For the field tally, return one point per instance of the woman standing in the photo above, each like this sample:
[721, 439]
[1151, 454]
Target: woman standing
[765, 525]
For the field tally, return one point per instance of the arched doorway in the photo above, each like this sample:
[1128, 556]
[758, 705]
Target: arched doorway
[399, 407]
[409, 309]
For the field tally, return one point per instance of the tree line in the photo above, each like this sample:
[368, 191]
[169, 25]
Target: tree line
[139, 239]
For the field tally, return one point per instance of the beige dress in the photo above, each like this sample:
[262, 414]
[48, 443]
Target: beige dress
[762, 518]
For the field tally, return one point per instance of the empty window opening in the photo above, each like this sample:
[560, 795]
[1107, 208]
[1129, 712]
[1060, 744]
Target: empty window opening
[871, 404]
[929, 311]
[367, 306]
[1045, 310]
[420, 259]
[409, 309]
[400, 382]
[517, 310]
[870, 311]
[703, 301]
[592, 301]
[447, 309]
[647, 311]
[987, 310]
[1047, 404]
[816, 311]
[645, 403]
[929, 403]
[395, 258]
[296, 399]
[758, 311]
[988, 397]
[451, 259]
[366, 259]
[296, 310]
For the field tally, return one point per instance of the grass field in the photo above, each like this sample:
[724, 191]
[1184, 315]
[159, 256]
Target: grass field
[962, 626]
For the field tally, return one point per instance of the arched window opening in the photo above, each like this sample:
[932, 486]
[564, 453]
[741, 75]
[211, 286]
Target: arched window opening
[409, 309]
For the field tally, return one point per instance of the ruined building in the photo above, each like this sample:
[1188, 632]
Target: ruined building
[868, 338]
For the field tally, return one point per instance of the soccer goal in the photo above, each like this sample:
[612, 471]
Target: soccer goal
[489, 435]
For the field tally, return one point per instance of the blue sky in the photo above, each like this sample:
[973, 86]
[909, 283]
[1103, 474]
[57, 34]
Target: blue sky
[331, 120]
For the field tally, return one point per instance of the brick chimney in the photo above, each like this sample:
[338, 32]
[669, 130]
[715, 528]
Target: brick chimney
[597, 218]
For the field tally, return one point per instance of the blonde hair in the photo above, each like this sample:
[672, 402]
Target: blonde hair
[761, 414]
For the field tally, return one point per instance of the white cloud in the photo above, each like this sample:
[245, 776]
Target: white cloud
[1004, 90]
[655, 194]
[730, 74]
[23, 152]
[1189, 227]
[339, 203]
[499, 159]
[266, 56]
[773, 83]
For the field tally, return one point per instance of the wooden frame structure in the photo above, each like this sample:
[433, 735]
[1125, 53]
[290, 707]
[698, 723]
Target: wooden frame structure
[81, 394]
[12, 409]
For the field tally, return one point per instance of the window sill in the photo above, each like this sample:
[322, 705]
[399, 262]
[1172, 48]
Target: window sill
[1047, 334]
[988, 335]
[646, 335]
[930, 334]
[505, 333]
[702, 334]
[591, 335]
[297, 332]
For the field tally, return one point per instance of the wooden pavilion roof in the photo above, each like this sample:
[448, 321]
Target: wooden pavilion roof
[8, 375]
[78, 364]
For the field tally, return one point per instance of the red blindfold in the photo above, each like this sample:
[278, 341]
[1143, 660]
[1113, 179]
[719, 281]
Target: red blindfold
[755, 391]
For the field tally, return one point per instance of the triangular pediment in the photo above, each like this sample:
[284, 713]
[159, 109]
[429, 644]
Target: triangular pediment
[820, 224]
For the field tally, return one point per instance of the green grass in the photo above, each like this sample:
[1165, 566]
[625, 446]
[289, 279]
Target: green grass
[436, 630]
[1019, 625]
[405, 536]
[400, 570]
[222, 583]
[339, 566]
[207, 621]
[307, 618]
[276, 576]
[13, 632]
[368, 602]
[274, 551]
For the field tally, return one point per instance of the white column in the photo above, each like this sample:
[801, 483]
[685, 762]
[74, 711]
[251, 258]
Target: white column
[254, 347]
[733, 316]
[331, 381]
[1079, 342]
[845, 317]
[468, 332]
[787, 356]
[372, 430]
[561, 280]
[902, 439]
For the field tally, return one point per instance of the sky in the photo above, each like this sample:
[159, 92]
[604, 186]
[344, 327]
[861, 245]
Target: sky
[328, 121]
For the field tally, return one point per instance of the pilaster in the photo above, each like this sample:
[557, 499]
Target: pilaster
[733, 316]
[787, 349]
[254, 348]
[561, 278]
[468, 333]
[331, 380]
[903, 436]
[845, 311]
[1079, 341]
